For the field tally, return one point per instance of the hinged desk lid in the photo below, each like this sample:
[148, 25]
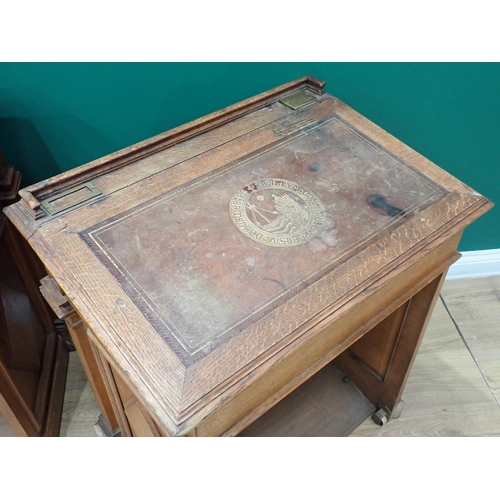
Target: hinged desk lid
[193, 263]
[208, 259]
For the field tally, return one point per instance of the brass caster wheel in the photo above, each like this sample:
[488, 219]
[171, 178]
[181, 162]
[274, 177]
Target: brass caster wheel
[380, 417]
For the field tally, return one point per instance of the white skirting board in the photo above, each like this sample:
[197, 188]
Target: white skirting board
[477, 264]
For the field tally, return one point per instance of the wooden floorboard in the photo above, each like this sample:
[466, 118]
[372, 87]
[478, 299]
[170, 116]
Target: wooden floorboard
[446, 394]
[326, 405]
[478, 321]
[5, 428]
[80, 411]
[453, 389]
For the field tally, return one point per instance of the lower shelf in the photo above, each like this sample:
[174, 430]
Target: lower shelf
[324, 406]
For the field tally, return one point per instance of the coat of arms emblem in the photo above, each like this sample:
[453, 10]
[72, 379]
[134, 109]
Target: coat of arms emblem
[277, 212]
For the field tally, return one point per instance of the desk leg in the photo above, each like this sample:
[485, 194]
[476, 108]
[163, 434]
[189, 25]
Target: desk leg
[379, 362]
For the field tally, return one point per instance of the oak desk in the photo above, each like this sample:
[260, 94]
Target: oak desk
[208, 272]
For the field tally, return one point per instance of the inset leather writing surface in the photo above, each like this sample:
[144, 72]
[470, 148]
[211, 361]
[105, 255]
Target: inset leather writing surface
[206, 260]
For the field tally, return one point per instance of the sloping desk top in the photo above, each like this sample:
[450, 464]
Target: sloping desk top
[200, 257]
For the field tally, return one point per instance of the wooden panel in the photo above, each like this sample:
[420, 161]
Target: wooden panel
[298, 365]
[112, 392]
[33, 357]
[446, 394]
[387, 392]
[376, 348]
[57, 385]
[22, 337]
[19, 416]
[33, 354]
[140, 423]
[126, 395]
[137, 422]
[31, 271]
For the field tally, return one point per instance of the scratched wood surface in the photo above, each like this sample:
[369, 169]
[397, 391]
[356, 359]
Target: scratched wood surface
[393, 206]
[301, 213]
[446, 394]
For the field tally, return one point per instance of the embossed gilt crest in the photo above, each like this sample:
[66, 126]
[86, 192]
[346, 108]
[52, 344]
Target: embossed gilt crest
[277, 212]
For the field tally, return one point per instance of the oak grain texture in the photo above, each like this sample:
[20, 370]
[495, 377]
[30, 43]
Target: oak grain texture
[376, 348]
[231, 385]
[445, 394]
[324, 342]
[385, 391]
[345, 277]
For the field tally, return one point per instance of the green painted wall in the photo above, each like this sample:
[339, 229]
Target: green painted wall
[56, 116]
